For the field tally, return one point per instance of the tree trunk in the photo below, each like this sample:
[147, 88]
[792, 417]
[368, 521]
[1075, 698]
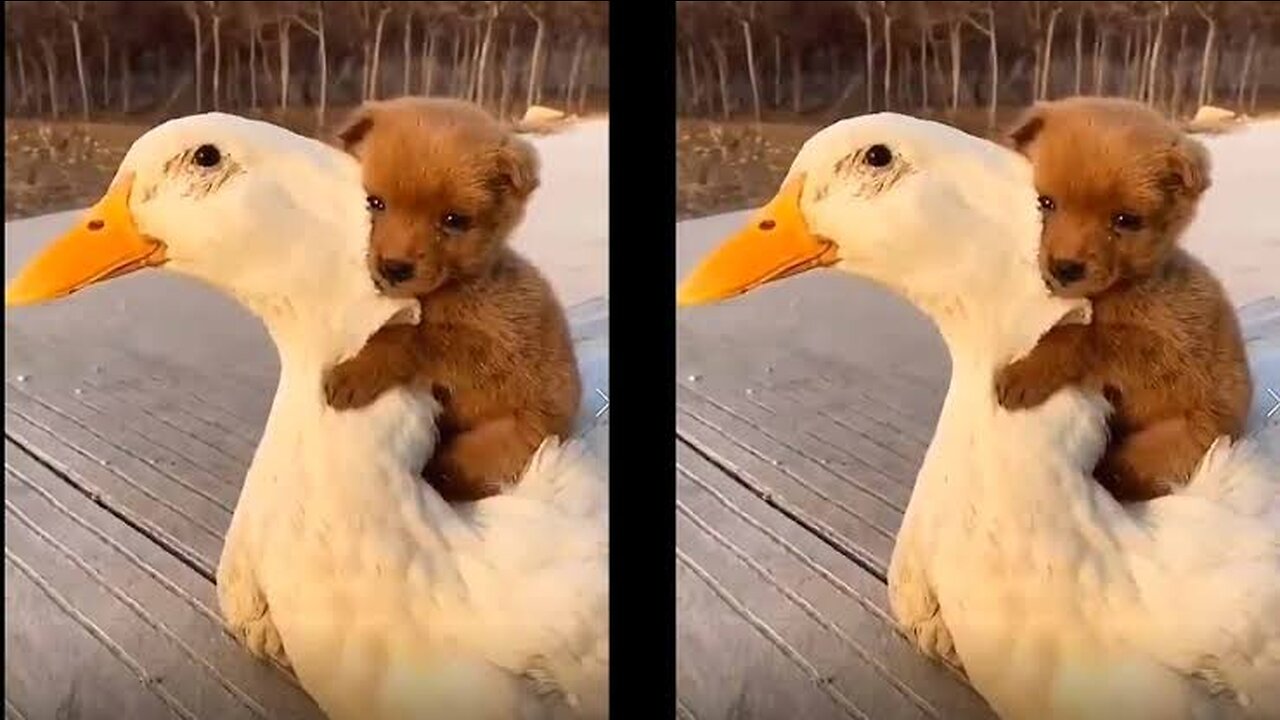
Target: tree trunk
[1253, 93]
[1153, 67]
[588, 65]
[1211, 36]
[722, 63]
[84, 82]
[751, 71]
[322, 56]
[777, 70]
[217, 61]
[1128, 63]
[253, 71]
[106, 71]
[24, 87]
[454, 85]
[870, 62]
[1099, 60]
[924, 69]
[124, 81]
[1179, 73]
[51, 66]
[199, 60]
[429, 63]
[508, 75]
[954, 33]
[284, 64]
[407, 52]
[235, 81]
[483, 65]
[535, 60]
[579, 48]
[1047, 65]
[377, 53]
[1248, 66]
[888, 59]
[1079, 50]
[695, 87]
[797, 80]
[473, 65]
[995, 73]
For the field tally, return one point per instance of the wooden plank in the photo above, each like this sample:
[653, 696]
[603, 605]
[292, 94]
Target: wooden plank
[846, 516]
[805, 606]
[155, 611]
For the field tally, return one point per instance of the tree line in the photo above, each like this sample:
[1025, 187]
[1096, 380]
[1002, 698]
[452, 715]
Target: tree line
[749, 58]
[86, 60]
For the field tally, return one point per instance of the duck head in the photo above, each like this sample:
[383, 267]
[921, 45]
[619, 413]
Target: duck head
[943, 218]
[274, 219]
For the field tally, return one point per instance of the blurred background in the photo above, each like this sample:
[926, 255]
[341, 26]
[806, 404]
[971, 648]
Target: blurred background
[84, 79]
[754, 79]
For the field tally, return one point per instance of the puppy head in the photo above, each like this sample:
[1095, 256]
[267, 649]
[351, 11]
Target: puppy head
[446, 183]
[1118, 184]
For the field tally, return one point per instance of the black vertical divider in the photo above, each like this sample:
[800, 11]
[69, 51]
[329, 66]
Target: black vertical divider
[642, 352]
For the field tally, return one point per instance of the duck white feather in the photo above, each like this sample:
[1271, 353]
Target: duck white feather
[387, 601]
[1012, 562]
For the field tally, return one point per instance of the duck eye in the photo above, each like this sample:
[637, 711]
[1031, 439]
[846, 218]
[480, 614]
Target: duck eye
[375, 203]
[207, 156]
[453, 222]
[1046, 203]
[878, 156]
[1126, 221]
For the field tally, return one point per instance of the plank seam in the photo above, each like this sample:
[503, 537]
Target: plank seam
[155, 535]
[152, 684]
[138, 610]
[777, 464]
[824, 682]
[862, 557]
[128, 452]
[905, 690]
[141, 489]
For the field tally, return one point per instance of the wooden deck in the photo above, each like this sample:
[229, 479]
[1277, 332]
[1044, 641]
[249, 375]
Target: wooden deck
[131, 414]
[802, 415]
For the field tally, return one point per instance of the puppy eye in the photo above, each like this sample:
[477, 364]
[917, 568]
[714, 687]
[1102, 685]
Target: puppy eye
[453, 222]
[1126, 221]
[375, 203]
[207, 156]
[1046, 203]
[878, 156]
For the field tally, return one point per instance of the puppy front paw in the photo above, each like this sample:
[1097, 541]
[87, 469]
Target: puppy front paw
[347, 386]
[1021, 385]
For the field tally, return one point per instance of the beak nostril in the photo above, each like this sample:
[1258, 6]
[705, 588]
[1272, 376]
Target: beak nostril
[96, 224]
[767, 225]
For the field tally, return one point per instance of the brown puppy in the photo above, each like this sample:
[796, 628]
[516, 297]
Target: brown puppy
[447, 185]
[1118, 185]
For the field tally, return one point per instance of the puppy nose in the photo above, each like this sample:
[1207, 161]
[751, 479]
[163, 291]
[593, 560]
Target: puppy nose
[395, 271]
[1067, 271]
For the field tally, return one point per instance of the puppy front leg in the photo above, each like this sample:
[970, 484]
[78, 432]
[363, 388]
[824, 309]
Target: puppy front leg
[1055, 362]
[389, 359]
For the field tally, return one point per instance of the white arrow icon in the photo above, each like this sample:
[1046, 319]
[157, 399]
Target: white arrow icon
[1275, 397]
[605, 409]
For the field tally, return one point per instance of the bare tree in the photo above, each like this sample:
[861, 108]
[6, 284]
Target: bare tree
[315, 25]
[1209, 12]
[989, 29]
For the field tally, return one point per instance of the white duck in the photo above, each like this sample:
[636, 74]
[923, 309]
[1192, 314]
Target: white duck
[1012, 561]
[387, 601]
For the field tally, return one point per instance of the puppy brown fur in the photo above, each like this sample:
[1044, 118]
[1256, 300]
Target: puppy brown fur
[447, 185]
[1118, 185]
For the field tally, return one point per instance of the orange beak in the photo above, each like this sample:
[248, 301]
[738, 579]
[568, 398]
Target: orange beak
[776, 243]
[104, 245]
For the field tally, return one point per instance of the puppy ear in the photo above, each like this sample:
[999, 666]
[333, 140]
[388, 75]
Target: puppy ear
[354, 129]
[517, 166]
[1189, 167]
[1026, 129]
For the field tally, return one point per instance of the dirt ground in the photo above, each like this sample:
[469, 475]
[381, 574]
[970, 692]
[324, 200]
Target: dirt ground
[724, 166]
[52, 166]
